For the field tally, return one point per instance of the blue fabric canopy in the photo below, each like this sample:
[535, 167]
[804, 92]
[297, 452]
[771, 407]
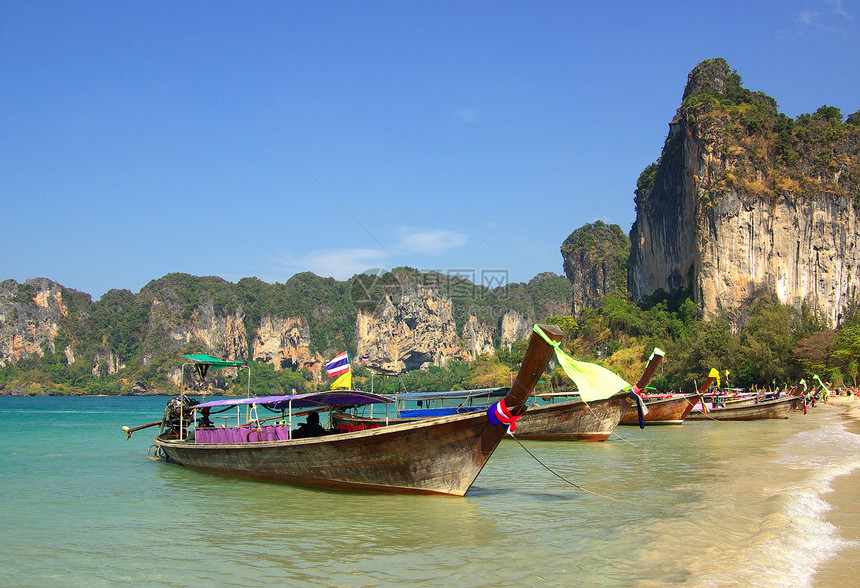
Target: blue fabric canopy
[311, 399]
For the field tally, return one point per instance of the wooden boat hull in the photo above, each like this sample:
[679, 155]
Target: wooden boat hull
[573, 420]
[442, 455]
[780, 408]
[736, 402]
[664, 411]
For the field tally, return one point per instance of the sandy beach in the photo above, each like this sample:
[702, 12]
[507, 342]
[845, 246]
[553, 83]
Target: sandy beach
[849, 405]
[842, 570]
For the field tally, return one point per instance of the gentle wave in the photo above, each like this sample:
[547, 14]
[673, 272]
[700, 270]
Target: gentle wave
[795, 539]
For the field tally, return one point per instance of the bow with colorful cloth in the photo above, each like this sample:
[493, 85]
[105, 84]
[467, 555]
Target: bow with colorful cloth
[594, 382]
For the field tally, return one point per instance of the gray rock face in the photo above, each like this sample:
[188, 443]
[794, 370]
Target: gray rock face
[731, 211]
[415, 328]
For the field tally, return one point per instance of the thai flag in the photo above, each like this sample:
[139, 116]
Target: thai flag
[339, 365]
[365, 358]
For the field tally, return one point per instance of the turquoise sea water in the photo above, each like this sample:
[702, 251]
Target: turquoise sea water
[704, 503]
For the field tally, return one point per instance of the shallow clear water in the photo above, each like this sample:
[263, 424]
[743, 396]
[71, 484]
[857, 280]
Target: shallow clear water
[703, 503]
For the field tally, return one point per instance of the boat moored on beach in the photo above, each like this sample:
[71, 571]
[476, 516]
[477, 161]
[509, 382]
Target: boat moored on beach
[574, 420]
[583, 420]
[663, 409]
[668, 409]
[568, 420]
[777, 408]
[441, 455]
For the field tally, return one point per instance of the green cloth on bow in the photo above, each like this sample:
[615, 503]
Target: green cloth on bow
[594, 382]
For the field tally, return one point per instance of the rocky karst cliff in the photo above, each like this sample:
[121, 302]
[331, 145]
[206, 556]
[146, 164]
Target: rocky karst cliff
[297, 326]
[746, 200]
[30, 317]
[395, 338]
[414, 327]
[284, 342]
[595, 261]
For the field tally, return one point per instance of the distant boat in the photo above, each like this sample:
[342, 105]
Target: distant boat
[779, 408]
[671, 409]
[430, 456]
[574, 420]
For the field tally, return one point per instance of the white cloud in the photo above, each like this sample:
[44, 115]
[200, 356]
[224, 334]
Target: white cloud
[343, 263]
[429, 241]
[807, 17]
[836, 6]
[340, 264]
[829, 20]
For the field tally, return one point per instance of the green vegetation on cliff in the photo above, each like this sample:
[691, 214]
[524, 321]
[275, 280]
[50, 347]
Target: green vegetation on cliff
[598, 245]
[777, 344]
[125, 341]
[763, 151]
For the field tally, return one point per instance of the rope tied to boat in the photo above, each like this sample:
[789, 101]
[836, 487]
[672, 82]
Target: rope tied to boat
[499, 414]
[557, 475]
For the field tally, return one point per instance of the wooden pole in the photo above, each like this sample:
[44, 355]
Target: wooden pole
[535, 361]
[128, 431]
[650, 369]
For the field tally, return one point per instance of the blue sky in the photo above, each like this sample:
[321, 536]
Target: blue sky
[264, 139]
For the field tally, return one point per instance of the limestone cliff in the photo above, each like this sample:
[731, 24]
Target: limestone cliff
[746, 200]
[414, 327]
[284, 342]
[30, 315]
[106, 362]
[595, 261]
[515, 327]
[222, 335]
[127, 341]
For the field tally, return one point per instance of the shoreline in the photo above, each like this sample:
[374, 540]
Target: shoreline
[849, 405]
[844, 499]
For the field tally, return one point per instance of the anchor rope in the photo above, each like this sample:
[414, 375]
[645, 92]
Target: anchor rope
[559, 476]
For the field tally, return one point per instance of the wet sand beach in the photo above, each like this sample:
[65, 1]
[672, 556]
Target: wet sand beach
[843, 569]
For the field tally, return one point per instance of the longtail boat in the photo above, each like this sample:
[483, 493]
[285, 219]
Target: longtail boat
[737, 405]
[440, 455]
[568, 420]
[574, 420]
[779, 408]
